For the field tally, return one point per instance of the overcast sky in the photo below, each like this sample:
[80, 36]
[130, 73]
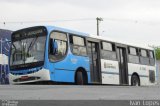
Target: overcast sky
[135, 21]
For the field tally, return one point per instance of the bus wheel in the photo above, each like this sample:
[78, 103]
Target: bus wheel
[135, 80]
[79, 78]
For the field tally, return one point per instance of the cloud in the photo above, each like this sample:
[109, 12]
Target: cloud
[128, 20]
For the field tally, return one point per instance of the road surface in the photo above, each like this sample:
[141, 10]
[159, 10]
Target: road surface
[75, 92]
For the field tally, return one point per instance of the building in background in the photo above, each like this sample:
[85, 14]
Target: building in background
[5, 36]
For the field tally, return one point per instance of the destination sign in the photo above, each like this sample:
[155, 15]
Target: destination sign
[29, 33]
[35, 32]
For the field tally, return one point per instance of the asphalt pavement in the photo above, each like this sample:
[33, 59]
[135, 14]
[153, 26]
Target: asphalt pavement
[75, 92]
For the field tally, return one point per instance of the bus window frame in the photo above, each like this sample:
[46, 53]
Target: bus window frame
[101, 49]
[154, 58]
[55, 61]
[152, 54]
[146, 52]
[136, 51]
[28, 65]
[85, 44]
[138, 54]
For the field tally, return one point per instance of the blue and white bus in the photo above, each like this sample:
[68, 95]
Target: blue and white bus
[52, 54]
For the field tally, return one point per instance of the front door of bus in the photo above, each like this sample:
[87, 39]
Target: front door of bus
[93, 53]
[123, 70]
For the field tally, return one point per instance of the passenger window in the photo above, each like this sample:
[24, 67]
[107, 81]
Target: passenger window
[107, 46]
[78, 45]
[78, 41]
[108, 51]
[133, 55]
[143, 53]
[151, 54]
[132, 51]
[144, 58]
[57, 46]
[152, 60]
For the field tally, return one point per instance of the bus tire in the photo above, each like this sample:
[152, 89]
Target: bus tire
[135, 81]
[80, 80]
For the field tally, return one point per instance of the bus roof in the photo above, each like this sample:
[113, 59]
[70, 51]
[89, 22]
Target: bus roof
[120, 42]
[50, 28]
[97, 37]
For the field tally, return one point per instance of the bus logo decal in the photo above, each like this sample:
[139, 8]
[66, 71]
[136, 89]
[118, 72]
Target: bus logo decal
[74, 61]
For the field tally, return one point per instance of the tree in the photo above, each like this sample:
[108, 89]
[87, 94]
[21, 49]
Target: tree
[157, 50]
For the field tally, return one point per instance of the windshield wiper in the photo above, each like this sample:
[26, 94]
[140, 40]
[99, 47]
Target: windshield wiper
[31, 44]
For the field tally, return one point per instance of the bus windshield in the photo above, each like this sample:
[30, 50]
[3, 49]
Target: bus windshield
[26, 51]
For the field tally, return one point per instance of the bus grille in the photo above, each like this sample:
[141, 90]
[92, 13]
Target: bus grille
[28, 79]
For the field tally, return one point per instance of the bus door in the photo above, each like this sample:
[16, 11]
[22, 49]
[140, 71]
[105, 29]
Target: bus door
[123, 70]
[93, 52]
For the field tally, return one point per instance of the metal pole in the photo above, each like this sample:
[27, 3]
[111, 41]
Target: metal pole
[97, 26]
[98, 20]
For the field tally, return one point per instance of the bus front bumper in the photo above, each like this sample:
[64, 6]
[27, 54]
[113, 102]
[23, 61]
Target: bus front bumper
[41, 75]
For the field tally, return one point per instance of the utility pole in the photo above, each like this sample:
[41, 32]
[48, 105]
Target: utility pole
[98, 20]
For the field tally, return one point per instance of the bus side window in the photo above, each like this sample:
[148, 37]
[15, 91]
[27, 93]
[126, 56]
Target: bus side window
[144, 58]
[108, 51]
[78, 45]
[152, 58]
[57, 46]
[133, 55]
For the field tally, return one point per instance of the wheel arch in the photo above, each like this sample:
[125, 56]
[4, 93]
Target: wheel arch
[135, 73]
[84, 72]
